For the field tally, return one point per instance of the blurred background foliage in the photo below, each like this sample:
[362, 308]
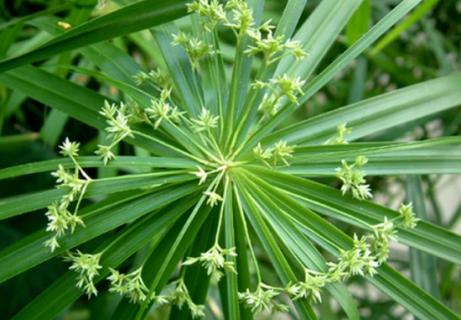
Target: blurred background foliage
[425, 45]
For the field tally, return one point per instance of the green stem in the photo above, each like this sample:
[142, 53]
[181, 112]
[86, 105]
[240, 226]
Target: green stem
[247, 235]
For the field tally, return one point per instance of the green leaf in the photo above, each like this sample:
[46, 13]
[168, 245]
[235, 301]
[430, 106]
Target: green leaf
[359, 23]
[230, 282]
[181, 243]
[330, 202]
[78, 102]
[388, 280]
[63, 291]
[284, 271]
[378, 113]
[340, 63]
[16, 205]
[317, 35]
[290, 17]
[418, 14]
[297, 242]
[135, 17]
[180, 69]
[423, 266]
[124, 162]
[30, 251]
[20, 20]
[433, 156]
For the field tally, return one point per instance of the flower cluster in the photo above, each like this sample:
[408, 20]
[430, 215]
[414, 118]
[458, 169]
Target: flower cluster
[382, 234]
[368, 252]
[211, 10]
[241, 16]
[273, 48]
[238, 16]
[180, 296]
[130, 285]
[309, 288]
[281, 151]
[353, 178]
[213, 198]
[407, 215]
[117, 118]
[161, 109]
[214, 261]
[278, 88]
[262, 299]
[359, 260]
[205, 121]
[60, 219]
[341, 132]
[87, 266]
[196, 49]
[157, 77]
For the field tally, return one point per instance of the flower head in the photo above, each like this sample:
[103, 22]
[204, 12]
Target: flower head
[201, 174]
[205, 121]
[310, 287]
[263, 298]
[409, 219]
[196, 49]
[382, 234]
[353, 178]
[211, 10]
[291, 87]
[213, 198]
[282, 151]
[214, 261]
[130, 285]
[105, 153]
[87, 266]
[69, 149]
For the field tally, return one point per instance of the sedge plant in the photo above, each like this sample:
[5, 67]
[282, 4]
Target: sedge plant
[224, 188]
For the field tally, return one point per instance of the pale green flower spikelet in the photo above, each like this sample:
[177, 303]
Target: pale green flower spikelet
[309, 288]
[341, 132]
[180, 296]
[60, 219]
[277, 88]
[157, 77]
[160, 79]
[140, 78]
[357, 261]
[212, 12]
[280, 152]
[262, 299]
[205, 121]
[196, 49]
[273, 48]
[407, 215]
[353, 178]
[290, 87]
[161, 109]
[158, 300]
[383, 233]
[87, 266]
[241, 17]
[201, 174]
[117, 118]
[263, 154]
[130, 285]
[214, 261]
[213, 198]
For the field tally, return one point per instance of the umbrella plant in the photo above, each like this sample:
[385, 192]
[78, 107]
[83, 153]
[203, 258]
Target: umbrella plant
[226, 200]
